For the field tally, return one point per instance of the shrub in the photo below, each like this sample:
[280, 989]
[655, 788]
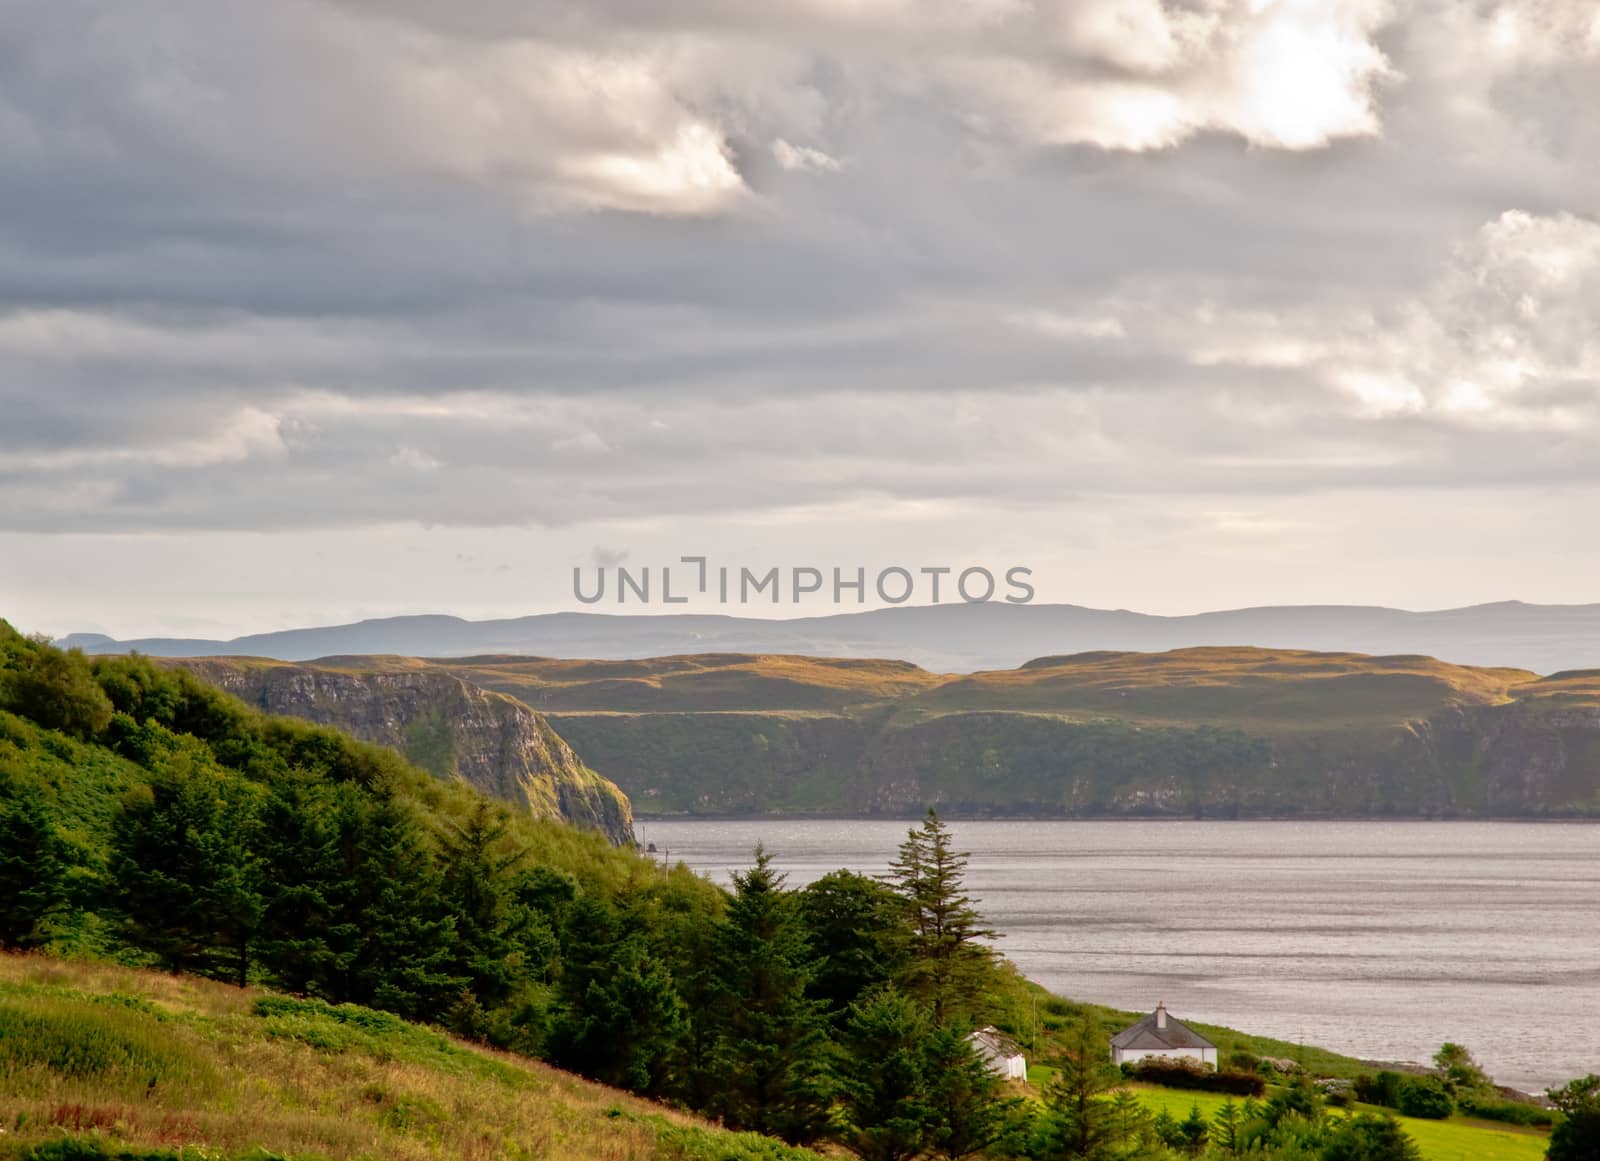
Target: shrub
[1367, 1138]
[1171, 1073]
[1507, 1112]
[57, 690]
[1382, 1090]
[1424, 1097]
[1243, 1062]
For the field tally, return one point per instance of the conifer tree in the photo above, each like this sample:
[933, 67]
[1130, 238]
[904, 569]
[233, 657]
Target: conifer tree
[397, 940]
[479, 884]
[1082, 1123]
[36, 866]
[187, 881]
[948, 967]
[769, 1042]
[621, 1018]
[1227, 1129]
[858, 932]
[884, 1078]
[970, 1109]
[309, 898]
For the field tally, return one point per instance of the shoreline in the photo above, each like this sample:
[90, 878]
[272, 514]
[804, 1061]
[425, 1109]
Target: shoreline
[1561, 820]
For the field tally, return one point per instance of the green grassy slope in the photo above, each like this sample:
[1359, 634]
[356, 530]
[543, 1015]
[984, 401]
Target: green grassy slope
[1456, 1139]
[137, 1064]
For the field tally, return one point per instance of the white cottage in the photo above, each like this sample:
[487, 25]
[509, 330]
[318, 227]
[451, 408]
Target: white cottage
[999, 1054]
[1159, 1034]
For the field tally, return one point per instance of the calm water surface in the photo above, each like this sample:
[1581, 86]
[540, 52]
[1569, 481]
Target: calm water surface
[1377, 939]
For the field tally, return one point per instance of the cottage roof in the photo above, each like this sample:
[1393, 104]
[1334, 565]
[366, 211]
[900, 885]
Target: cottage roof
[1159, 1030]
[995, 1041]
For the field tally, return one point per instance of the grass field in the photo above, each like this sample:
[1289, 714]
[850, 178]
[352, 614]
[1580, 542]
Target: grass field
[1456, 1139]
[1246, 687]
[151, 1064]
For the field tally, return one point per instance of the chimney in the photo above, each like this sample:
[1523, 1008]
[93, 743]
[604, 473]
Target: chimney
[1161, 1015]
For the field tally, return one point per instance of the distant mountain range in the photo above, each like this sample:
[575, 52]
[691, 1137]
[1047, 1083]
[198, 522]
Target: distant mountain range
[951, 638]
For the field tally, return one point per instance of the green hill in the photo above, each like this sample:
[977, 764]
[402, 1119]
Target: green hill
[148, 819]
[440, 722]
[1233, 732]
[104, 1061]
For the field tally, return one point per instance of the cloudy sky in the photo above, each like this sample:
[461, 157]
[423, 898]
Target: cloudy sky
[321, 309]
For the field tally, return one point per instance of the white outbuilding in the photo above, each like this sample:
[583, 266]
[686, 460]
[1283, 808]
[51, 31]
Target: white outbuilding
[999, 1054]
[1159, 1034]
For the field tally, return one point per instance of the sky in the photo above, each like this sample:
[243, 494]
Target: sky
[326, 309]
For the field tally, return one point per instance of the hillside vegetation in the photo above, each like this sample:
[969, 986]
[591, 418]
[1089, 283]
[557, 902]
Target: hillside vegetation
[440, 722]
[147, 819]
[1209, 732]
[122, 1062]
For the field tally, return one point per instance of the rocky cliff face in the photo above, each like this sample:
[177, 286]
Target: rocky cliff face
[447, 726]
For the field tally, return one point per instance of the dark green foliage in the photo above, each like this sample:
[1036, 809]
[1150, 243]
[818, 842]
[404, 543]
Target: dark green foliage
[1227, 1129]
[857, 929]
[971, 1111]
[1425, 1097]
[55, 689]
[621, 1018]
[1461, 1074]
[1081, 1117]
[1298, 1101]
[262, 849]
[885, 1090]
[399, 946]
[307, 828]
[1382, 1090]
[36, 883]
[947, 967]
[1188, 1136]
[187, 881]
[1369, 1138]
[1486, 1108]
[479, 885]
[769, 1043]
[1577, 1137]
[1180, 1074]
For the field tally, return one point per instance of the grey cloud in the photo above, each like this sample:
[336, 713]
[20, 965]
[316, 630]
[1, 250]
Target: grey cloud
[255, 274]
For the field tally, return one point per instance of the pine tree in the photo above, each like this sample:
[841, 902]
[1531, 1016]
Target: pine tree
[397, 941]
[1369, 1138]
[36, 866]
[1194, 1132]
[1082, 1120]
[948, 968]
[1131, 1124]
[1227, 1129]
[857, 931]
[971, 1111]
[306, 831]
[187, 881]
[885, 1089]
[769, 1039]
[479, 886]
[621, 1018]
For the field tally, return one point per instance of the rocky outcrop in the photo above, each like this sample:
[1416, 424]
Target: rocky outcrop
[448, 726]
